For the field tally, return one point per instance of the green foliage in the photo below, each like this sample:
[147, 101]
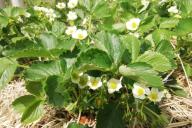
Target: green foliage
[35, 88]
[183, 27]
[142, 73]
[118, 48]
[98, 9]
[30, 107]
[169, 23]
[8, 67]
[48, 41]
[54, 97]
[32, 113]
[110, 117]
[188, 70]
[185, 6]
[94, 59]
[21, 103]
[75, 125]
[162, 34]
[177, 90]
[133, 45]
[42, 71]
[158, 61]
[111, 44]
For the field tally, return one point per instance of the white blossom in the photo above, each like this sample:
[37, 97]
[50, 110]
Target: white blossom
[61, 5]
[70, 30]
[155, 95]
[71, 15]
[72, 4]
[173, 9]
[94, 82]
[80, 34]
[114, 85]
[139, 91]
[133, 24]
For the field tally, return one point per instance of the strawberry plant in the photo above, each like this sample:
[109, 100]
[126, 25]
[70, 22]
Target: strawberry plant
[102, 57]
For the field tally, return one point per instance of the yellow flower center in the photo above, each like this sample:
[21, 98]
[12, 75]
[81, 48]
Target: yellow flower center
[71, 23]
[153, 96]
[113, 85]
[140, 91]
[94, 82]
[80, 36]
[134, 25]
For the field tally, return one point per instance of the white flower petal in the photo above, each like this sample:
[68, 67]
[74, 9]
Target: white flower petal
[70, 30]
[110, 91]
[61, 5]
[80, 34]
[173, 9]
[133, 24]
[114, 85]
[94, 82]
[71, 16]
[155, 95]
[139, 91]
[72, 4]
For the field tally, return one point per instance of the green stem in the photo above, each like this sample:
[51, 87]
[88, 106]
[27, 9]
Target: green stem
[22, 66]
[156, 115]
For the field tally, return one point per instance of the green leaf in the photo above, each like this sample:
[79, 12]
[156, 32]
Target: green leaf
[120, 27]
[164, 47]
[149, 24]
[17, 11]
[158, 61]
[185, 6]
[133, 45]
[41, 71]
[75, 125]
[94, 59]
[97, 8]
[177, 90]
[156, 120]
[66, 45]
[7, 70]
[180, 93]
[143, 73]
[58, 28]
[86, 3]
[169, 23]
[31, 52]
[34, 112]
[100, 9]
[20, 104]
[55, 98]
[26, 48]
[35, 88]
[111, 44]
[48, 41]
[7, 11]
[161, 34]
[4, 21]
[184, 26]
[110, 117]
[14, 11]
[188, 70]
